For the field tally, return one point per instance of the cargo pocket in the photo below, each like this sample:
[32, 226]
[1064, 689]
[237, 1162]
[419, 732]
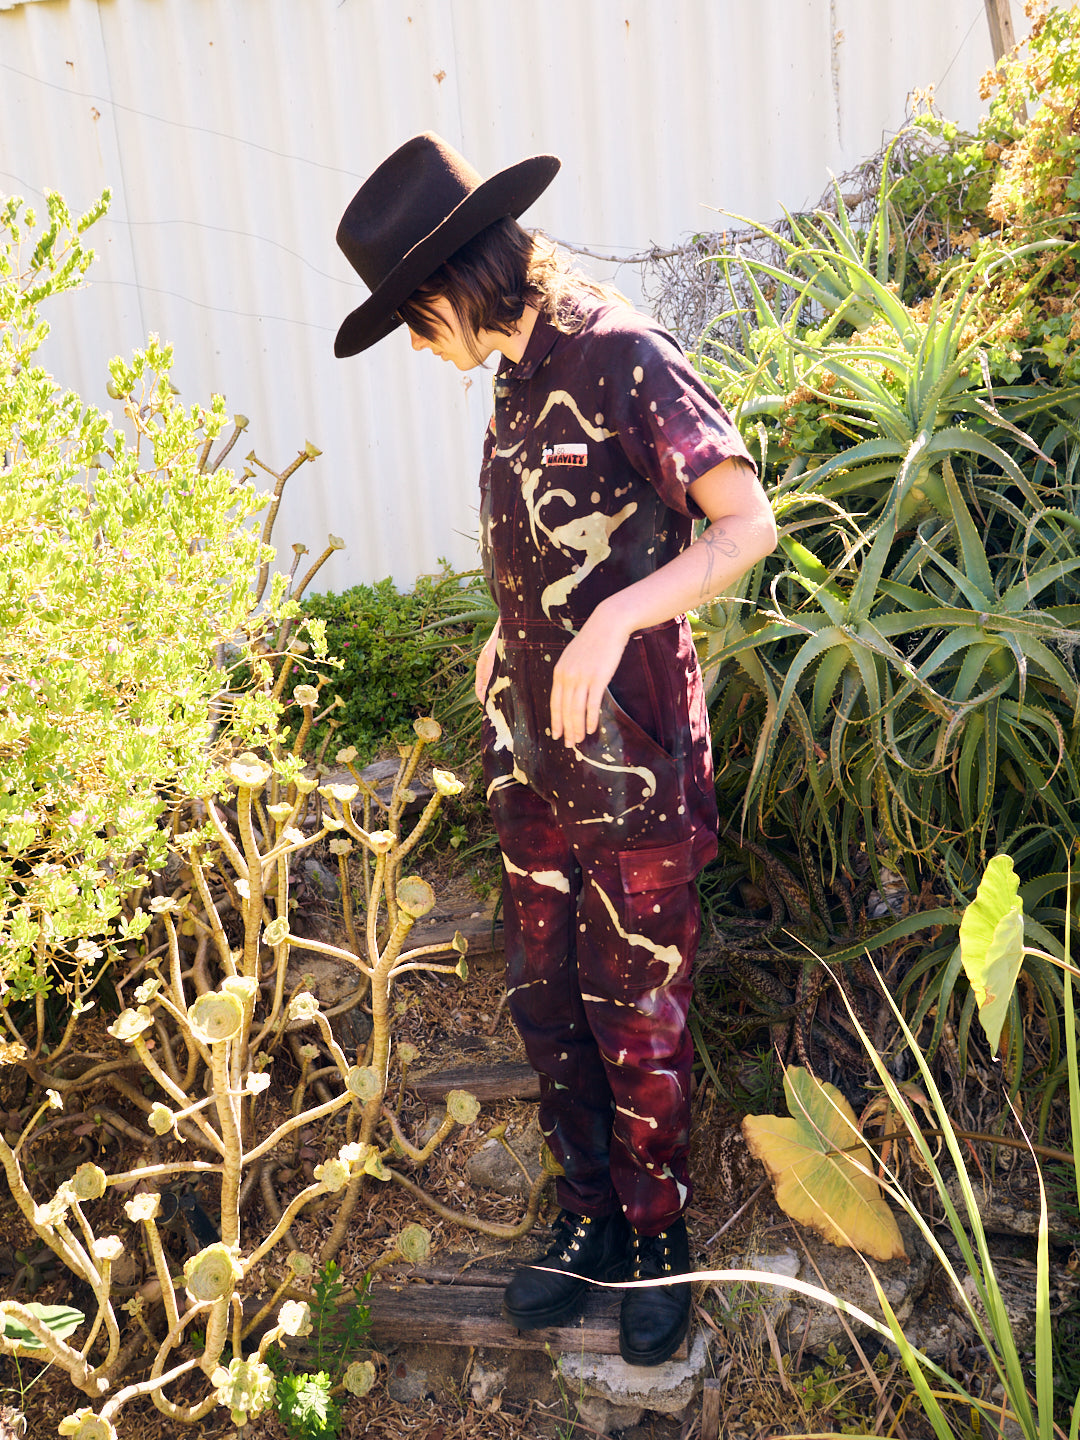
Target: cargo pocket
[650, 876]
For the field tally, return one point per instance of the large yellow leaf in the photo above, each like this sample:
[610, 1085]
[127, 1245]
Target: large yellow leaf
[815, 1182]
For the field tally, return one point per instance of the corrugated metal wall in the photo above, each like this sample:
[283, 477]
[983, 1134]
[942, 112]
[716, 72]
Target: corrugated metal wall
[233, 133]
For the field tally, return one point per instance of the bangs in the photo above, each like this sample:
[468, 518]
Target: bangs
[418, 315]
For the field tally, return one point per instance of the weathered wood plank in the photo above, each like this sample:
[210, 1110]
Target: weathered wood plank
[710, 1410]
[472, 1315]
[484, 938]
[504, 1080]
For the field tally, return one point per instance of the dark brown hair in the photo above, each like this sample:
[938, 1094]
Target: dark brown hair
[490, 280]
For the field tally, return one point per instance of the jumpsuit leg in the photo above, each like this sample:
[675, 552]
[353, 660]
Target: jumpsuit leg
[540, 887]
[635, 953]
[602, 843]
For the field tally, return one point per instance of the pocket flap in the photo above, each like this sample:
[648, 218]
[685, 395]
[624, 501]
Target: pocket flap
[666, 865]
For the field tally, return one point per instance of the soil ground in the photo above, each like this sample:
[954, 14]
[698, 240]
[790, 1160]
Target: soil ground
[441, 1017]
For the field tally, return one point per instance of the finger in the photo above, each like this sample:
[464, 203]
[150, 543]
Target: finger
[574, 716]
[592, 711]
[556, 706]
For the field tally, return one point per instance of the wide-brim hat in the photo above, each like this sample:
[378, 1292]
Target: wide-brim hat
[419, 207]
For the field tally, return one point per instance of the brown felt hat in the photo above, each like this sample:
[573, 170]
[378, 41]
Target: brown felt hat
[411, 214]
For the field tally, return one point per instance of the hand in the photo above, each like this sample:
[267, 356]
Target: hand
[582, 674]
[485, 663]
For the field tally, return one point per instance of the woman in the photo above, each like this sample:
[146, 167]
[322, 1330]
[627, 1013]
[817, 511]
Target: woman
[603, 450]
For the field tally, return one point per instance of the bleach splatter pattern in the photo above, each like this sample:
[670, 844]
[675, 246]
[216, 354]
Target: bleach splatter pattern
[595, 438]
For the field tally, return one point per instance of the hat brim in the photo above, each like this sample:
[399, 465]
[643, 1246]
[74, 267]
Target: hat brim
[510, 192]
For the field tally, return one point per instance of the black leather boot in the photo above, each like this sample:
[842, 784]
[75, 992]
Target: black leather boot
[653, 1320]
[583, 1249]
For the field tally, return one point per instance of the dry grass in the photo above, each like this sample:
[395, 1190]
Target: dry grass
[443, 1018]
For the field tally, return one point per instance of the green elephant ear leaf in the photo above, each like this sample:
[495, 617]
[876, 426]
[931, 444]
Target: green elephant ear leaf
[992, 944]
[60, 1319]
[818, 1179]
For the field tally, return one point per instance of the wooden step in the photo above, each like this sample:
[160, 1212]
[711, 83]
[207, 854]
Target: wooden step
[470, 1313]
[500, 1080]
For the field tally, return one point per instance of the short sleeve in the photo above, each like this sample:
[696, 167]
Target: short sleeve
[671, 427]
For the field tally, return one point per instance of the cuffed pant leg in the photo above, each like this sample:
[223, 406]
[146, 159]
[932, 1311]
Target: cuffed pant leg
[635, 953]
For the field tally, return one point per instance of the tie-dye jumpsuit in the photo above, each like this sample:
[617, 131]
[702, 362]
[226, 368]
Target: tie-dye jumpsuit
[595, 438]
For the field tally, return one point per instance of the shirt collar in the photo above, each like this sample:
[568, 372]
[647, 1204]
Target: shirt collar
[541, 343]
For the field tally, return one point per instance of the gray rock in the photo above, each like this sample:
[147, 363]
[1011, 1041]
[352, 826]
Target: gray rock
[407, 1384]
[1006, 1214]
[324, 880]
[435, 1118]
[749, 1307]
[486, 1381]
[1017, 1282]
[815, 1326]
[330, 981]
[936, 1334]
[493, 1168]
[604, 1417]
[667, 1388]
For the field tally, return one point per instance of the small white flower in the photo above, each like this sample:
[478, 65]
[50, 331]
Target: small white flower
[160, 1118]
[85, 1425]
[144, 1206]
[303, 1007]
[130, 1024]
[333, 1175]
[277, 932]
[341, 793]
[294, 1317]
[249, 772]
[447, 783]
[359, 1377]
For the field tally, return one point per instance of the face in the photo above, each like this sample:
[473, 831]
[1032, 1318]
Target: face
[449, 343]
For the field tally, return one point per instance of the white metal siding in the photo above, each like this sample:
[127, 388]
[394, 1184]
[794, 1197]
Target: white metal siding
[234, 132]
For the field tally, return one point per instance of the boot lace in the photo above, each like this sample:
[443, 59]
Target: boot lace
[569, 1231]
[651, 1255]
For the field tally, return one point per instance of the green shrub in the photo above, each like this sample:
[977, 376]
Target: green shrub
[390, 671]
[126, 561]
[1016, 180]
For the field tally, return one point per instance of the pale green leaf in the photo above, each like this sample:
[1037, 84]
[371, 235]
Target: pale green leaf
[992, 943]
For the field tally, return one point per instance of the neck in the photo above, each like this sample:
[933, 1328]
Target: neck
[514, 346]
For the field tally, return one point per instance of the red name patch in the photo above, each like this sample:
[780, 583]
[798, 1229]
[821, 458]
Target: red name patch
[566, 454]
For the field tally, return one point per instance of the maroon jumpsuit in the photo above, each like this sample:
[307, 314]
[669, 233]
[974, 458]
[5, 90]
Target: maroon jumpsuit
[595, 438]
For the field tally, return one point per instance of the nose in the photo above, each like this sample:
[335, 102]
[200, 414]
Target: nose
[417, 341]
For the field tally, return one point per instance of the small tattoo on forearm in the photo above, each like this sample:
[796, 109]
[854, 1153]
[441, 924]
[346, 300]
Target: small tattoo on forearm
[717, 542]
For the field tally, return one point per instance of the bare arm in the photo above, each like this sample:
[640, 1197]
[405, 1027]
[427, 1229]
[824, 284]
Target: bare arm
[740, 534]
[485, 663]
